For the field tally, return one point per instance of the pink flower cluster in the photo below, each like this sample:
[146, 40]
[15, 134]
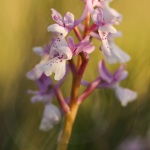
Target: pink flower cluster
[58, 57]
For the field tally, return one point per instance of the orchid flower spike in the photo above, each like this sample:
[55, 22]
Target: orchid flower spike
[99, 20]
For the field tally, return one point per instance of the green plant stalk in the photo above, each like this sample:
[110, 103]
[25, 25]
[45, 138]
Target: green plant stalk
[70, 117]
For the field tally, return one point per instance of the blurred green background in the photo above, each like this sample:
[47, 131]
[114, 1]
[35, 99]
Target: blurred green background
[101, 122]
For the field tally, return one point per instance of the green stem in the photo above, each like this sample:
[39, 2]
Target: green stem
[67, 128]
[70, 116]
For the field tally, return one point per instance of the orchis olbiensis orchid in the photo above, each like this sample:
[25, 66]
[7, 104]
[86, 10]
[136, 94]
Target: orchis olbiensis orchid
[58, 58]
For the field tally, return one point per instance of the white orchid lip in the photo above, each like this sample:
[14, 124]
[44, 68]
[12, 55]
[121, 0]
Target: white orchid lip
[59, 54]
[125, 95]
[57, 66]
[51, 116]
[116, 55]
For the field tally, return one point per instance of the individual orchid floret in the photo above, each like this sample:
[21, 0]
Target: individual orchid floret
[45, 93]
[83, 46]
[51, 117]
[104, 28]
[64, 25]
[116, 54]
[59, 54]
[109, 13]
[113, 80]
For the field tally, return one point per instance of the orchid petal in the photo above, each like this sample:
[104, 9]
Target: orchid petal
[57, 28]
[105, 49]
[116, 55]
[103, 32]
[38, 50]
[36, 98]
[89, 49]
[123, 75]
[60, 53]
[97, 16]
[57, 66]
[71, 43]
[120, 74]
[51, 116]
[36, 72]
[104, 73]
[59, 42]
[69, 20]
[57, 17]
[85, 40]
[60, 47]
[111, 36]
[125, 95]
[110, 13]
[64, 52]
[84, 46]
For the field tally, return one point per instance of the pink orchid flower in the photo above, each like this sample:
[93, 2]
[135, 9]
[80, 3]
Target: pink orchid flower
[63, 25]
[113, 80]
[59, 54]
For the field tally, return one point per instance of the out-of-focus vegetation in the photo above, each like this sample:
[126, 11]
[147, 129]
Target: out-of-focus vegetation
[101, 122]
